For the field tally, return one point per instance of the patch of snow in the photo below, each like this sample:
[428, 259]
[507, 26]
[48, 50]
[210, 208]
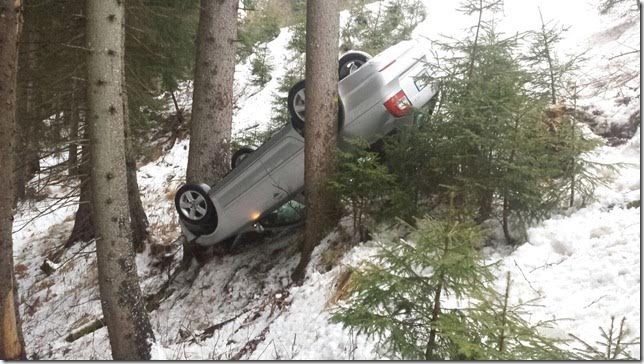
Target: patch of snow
[583, 264]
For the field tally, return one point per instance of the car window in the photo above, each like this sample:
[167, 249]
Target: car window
[290, 213]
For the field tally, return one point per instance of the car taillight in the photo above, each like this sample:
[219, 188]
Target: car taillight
[398, 105]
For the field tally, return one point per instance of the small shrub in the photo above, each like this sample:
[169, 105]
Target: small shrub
[429, 297]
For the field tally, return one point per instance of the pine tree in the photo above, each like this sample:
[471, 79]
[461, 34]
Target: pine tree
[490, 138]
[260, 67]
[159, 39]
[365, 28]
[127, 321]
[548, 71]
[614, 347]
[12, 343]
[260, 26]
[363, 184]
[428, 296]
[321, 130]
[294, 72]
[212, 107]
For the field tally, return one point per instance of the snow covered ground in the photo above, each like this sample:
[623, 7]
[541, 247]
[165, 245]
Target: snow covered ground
[582, 264]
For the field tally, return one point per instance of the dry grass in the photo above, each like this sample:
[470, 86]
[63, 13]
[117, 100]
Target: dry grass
[343, 287]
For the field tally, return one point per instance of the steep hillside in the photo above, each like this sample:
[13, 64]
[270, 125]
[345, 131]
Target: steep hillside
[583, 264]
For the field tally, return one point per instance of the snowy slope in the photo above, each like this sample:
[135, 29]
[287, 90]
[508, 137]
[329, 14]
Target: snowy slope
[583, 264]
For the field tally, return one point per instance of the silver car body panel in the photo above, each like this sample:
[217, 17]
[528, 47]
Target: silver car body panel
[274, 173]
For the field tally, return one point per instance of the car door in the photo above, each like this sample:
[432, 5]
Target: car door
[285, 167]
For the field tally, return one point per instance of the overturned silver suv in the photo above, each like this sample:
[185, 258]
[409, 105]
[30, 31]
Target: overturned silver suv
[377, 95]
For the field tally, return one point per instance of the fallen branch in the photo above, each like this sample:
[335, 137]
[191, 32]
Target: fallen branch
[251, 345]
[152, 302]
[85, 330]
[210, 330]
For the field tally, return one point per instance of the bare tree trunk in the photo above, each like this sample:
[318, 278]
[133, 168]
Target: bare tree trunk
[320, 133]
[436, 310]
[12, 345]
[212, 98]
[573, 162]
[470, 68]
[486, 198]
[84, 228]
[128, 326]
[72, 160]
[138, 219]
[504, 314]
[212, 101]
[27, 162]
[551, 71]
[505, 216]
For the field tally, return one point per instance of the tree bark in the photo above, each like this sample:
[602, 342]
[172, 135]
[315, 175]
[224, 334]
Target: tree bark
[436, 310]
[321, 130]
[138, 219]
[12, 345]
[505, 216]
[128, 326]
[504, 314]
[84, 228]
[212, 101]
[27, 161]
[72, 159]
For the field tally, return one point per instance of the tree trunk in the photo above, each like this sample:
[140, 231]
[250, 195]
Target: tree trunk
[470, 68]
[138, 219]
[551, 71]
[84, 228]
[486, 198]
[27, 162]
[128, 326]
[12, 345]
[505, 216]
[504, 314]
[212, 98]
[436, 310]
[72, 160]
[212, 101]
[320, 133]
[573, 161]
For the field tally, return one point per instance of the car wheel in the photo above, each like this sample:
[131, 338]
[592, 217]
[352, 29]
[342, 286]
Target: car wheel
[297, 107]
[195, 208]
[240, 155]
[350, 63]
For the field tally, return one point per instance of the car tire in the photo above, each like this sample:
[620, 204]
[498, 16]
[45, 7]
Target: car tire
[240, 155]
[350, 62]
[296, 107]
[196, 209]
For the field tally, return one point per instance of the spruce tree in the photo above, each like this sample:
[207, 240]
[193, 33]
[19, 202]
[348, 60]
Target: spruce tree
[296, 47]
[615, 344]
[548, 71]
[489, 138]
[365, 28]
[260, 67]
[429, 296]
[363, 184]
